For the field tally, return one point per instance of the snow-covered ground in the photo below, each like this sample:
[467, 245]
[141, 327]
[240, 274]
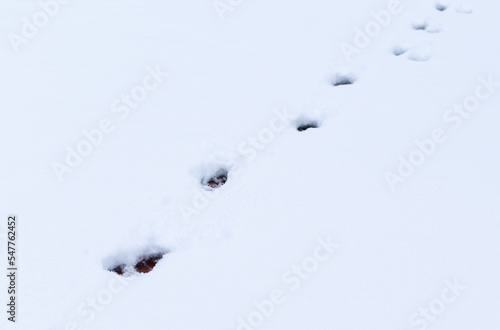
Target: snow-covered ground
[385, 216]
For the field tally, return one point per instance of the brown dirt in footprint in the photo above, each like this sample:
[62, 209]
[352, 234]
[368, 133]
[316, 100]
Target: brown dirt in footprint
[217, 181]
[146, 264]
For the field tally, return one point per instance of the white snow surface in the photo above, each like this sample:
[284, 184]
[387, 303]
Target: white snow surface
[398, 249]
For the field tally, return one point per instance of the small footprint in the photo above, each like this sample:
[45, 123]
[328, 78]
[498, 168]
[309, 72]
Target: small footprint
[420, 54]
[308, 119]
[143, 262]
[343, 77]
[304, 123]
[401, 48]
[464, 9]
[216, 180]
[442, 5]
[426, 25]
[414, 53]
[306, 126]
[419, 25]
[213, 173]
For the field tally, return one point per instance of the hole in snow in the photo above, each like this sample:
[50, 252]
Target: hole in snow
[120, 269]
[216, 180]
[147, 263]
[306, 126]
[441, 6]
[305, 122]
[428, 26]
[420, 54]
[343, 79]
[400, 49]
[420, 25]
[144, 264]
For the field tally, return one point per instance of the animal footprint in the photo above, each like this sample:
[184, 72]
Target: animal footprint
[134, 263]
[215, 180]
[343, 77]
[414, 53]
[426, 25]
[212, 174]
[304, 123]
[464, 9]
[401, 48]
[420, 54]
[442, 5]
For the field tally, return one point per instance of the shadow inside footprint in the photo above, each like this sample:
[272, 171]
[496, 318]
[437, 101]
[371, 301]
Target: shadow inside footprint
[343, 79]
[427, 26]
[303, 123]
[120, 269]
[441, 7]
[145, 264]
[399, 50]
[420, 26]
[217, 180]
[306, 126]
[339, 81]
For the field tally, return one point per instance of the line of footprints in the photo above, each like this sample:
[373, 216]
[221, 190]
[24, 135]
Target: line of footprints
[146, 261]
[423, 53]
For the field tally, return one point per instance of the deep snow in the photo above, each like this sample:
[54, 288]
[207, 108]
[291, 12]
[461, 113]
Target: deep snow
[307, 226]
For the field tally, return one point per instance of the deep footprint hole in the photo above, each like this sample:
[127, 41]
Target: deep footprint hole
[306, 126]
[441, 7]
[145, 264]
[420, 26]
[304, 122]
[341, 80]
[216, 180]
[120, 269]
[399, 50]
